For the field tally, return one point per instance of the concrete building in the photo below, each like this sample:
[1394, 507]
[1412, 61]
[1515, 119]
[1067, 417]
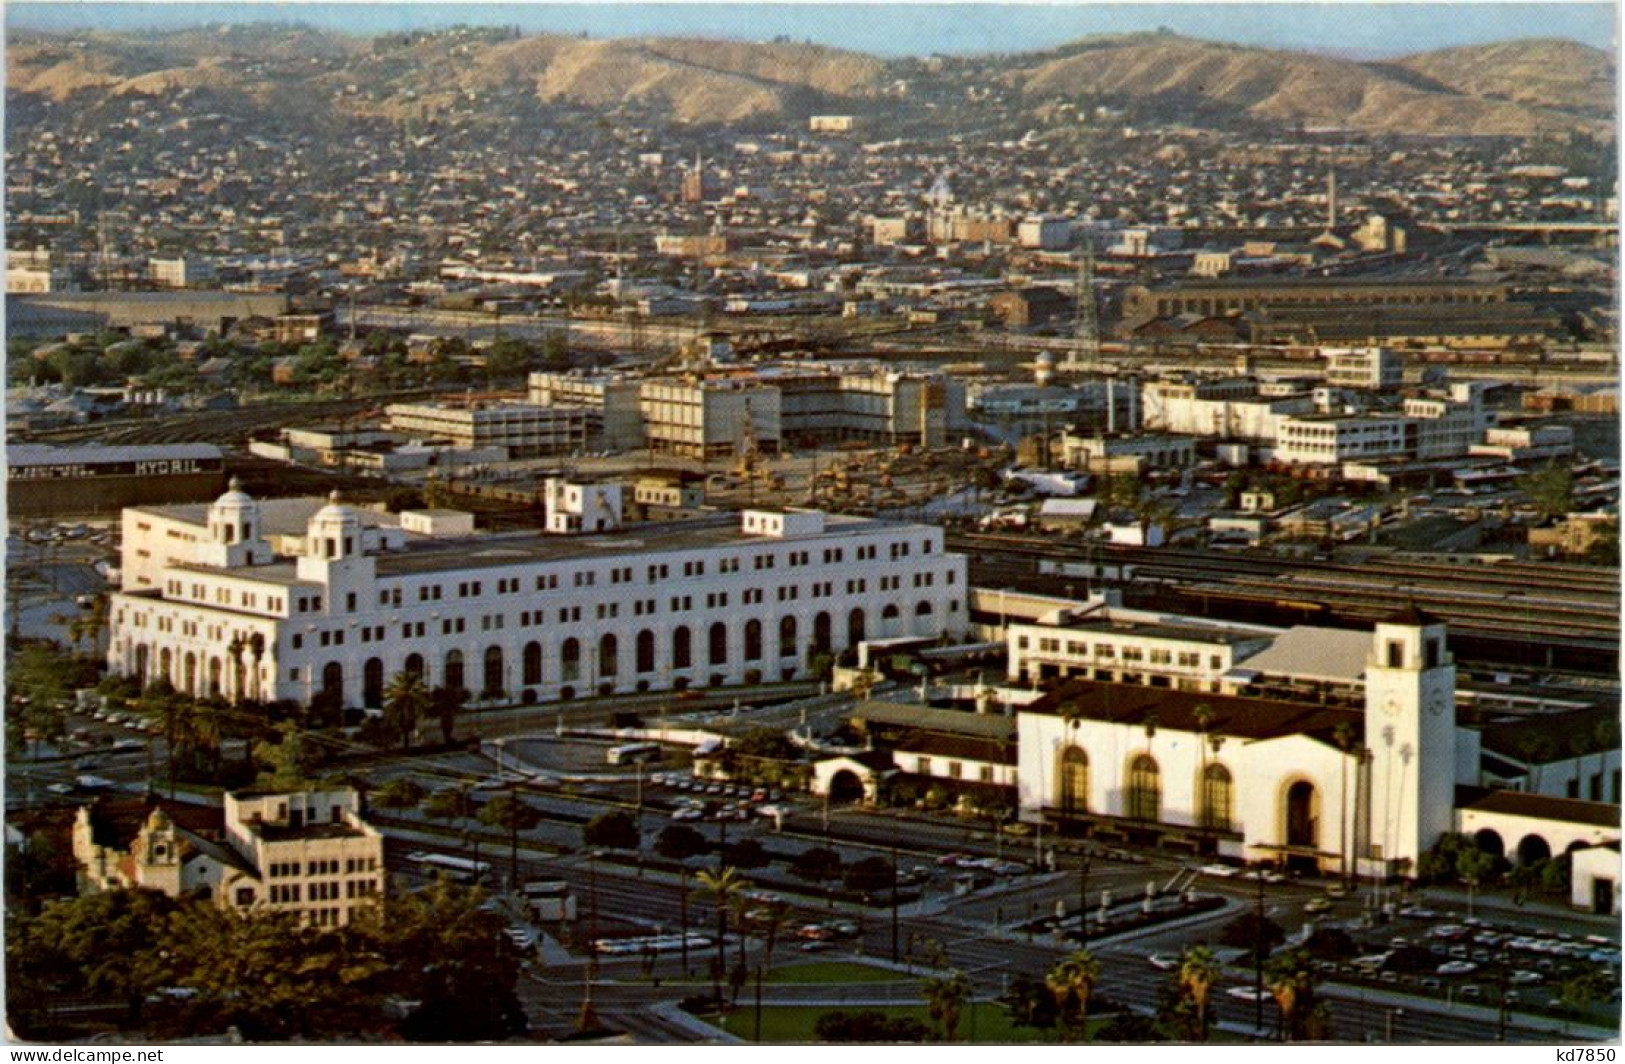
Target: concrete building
[1370, 368]
[181, 272]
[710, 418]
[1126, 454]
[521, 429]
[518, 617]
[612, 403]
[573, 508]
[303, 852]
[1044, 232]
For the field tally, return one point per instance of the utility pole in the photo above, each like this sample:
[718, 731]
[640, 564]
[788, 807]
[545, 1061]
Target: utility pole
[1258, 959]
[894, 920]
[588, 1020]
[1083, 901]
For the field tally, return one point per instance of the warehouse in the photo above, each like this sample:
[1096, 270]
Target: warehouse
[45, 481]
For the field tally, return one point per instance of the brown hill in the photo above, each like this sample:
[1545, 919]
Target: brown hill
[1288, 87]
[1558, 75]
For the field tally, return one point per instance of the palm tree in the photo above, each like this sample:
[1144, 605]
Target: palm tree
[172, 712]
[721, 884]
[406, 700]
[256, 648]
[1198, 972]
[234, 652]
[1071, 981]
[1288, 981]
[945, 998]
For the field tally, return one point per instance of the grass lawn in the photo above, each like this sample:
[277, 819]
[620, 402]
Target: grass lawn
[794, 1023]
[835, 972]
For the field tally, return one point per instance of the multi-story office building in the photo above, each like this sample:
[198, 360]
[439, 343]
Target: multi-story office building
[303, 852]
[522, 617]
[710, 419]
[524, 430]
[1374, 368]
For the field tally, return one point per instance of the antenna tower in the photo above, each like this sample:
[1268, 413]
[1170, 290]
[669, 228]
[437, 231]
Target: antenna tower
[1086, 323]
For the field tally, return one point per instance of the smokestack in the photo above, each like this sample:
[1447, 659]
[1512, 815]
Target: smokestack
[1331, 200]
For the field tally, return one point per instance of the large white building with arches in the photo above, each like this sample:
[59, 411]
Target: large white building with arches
[1321, 784]
[351, 601]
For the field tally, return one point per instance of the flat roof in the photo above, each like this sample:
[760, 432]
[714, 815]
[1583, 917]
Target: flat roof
[1313, 654]
[1109, 624]
[930, 718]
[30, 454]
[484, 552]
[1538, 807]
[1242, 718]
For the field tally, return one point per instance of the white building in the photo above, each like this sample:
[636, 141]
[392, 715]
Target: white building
[520, 428]
[575, 508]
[710, 419]
[523, 617]
[304, 852]
[181, 272]
[1369, 368]
[1047, 232]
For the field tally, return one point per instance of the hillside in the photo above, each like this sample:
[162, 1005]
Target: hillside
[1518, 87]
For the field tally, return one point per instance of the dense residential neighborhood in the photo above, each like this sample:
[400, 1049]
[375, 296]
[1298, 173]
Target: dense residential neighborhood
[520, 537]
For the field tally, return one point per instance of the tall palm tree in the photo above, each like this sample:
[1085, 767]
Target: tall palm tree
[1198, 972]
[406, 701]
[1287, 979]
[256, 648]
[721, 884]
[234, 653]
[1071, 981]
[945, 998]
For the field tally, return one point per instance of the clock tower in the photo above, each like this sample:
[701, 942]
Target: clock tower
[1410, 730]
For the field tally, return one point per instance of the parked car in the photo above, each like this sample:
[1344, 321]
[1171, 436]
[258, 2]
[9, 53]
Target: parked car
[1317, 905]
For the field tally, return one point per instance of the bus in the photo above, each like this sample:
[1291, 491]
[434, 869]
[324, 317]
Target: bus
[457, 869]
[634, 752]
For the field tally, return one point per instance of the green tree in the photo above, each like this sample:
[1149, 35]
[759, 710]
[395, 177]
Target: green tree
[399, 793]
[102, 944]
[747, 854]
[945, 999]
[1472, 865]
[817, 865]
[681, 844]
[290, 762]
[722, 885]
[444, 704]
[1199, 972]
[1289, 978]
[615, 830]
[1550, 490]
[1071, 981]
[450, 803]
[868, 876]
[406, 701]
[513, 815]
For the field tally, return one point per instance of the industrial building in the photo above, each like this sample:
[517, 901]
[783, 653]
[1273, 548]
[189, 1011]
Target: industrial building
[42, 480]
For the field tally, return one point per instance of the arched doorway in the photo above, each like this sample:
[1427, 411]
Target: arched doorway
[453, 671]
[822, 639]
[214, 677]
[854, 628]
[845, 787]
[164, 666]
[189, 674]
[495, 679]
[753, 640]
[922, 619]
[719, 644]
[645, 651]
[1302, 815]
[530, 663]
[682, 648]
[414, 666]
[609, 656]
[1532, 849]
[1072, 781]
[141, 664]
[1489, 841]
[372, 683]
[570, 659]
[333, 680]
[1144, 789]
[890, 621]
[787, 637]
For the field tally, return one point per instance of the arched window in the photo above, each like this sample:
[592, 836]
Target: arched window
[214, 677]
[570, 659]
[189, 675]
[1144, 789]
[414, 666]
[1073, 781]
[682, 650]
[753, 640]
[854, 628]
[821, 634]
[333, 679]
[646, 651]
[372, 683]
[1302, 815]
[495, 680]
[787, 637]
[609, 652]
[719, 644]
[1218, 798]
[453, 674]
[531, 663]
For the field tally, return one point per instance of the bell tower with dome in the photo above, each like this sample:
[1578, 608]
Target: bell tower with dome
[1410, 730]
[233, 531]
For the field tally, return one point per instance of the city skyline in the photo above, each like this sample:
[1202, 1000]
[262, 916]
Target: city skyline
[901, 29]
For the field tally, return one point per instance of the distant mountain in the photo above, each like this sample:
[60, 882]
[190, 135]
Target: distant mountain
[1550, 74]
[1518, 87]
[1439, 92]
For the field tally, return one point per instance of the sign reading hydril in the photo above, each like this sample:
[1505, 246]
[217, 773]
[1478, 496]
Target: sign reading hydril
[156, 467]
